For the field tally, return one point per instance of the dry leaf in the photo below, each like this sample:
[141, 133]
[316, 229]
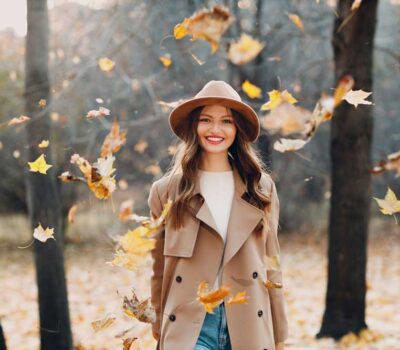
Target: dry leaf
[211, 299]
[39, 165]
[390, 204]
[141, 310]
[357, 97]
[297, 21]
[44, 144]
[239, 298]
[19, 120]
[42, 234]
[253, 91]
[103, 323]
[105, 64]
[101, 112]
[208, 24]
[245, 49]
[114, 140]
[277, 97]
[289, 145]
[166, 60]
[392, 162]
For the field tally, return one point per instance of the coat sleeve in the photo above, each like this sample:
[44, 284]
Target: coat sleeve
[156, 207]
[278, 307]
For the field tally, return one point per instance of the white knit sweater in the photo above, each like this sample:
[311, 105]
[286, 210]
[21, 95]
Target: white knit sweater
[217, 188]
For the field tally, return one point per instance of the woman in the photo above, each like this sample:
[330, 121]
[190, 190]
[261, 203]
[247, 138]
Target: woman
[221, 228]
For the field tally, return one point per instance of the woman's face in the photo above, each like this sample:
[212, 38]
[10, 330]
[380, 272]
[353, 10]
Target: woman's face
[216, 128]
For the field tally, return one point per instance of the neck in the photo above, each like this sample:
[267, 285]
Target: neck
[215, 162]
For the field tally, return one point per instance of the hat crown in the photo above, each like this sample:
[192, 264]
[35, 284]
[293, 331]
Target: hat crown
[218, 88]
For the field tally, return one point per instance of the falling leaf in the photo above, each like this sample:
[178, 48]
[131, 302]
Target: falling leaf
[72, 213]
[153, 169]
[357, 97]
[39, 165]
[136, 242]
[42, 234]
[141, 310]
[392, 162]
[42, 103]
[125, 210]
[270, 285]
[345, 84]
[103, 323]
[44, 144]
[208, 24]
[239, 298]
[141, 146]
[114, 140]
[245, 49]
[277, 97]
[211, 299]
[19, 120]
[127, 344]
[101, 112]
[297, 21]
[253, 91]
[289, 145]
[355, 5]
[105, 64]
[166, 60]
[390, 204]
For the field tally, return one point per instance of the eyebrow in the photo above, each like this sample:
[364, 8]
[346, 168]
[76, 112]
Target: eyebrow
[227, 115]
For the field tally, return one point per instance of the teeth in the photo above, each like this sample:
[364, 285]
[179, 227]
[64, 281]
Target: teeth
[215, 138]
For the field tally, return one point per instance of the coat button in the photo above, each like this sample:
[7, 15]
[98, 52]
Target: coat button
[255, 274]
[178, 279]
[260, 313]
[172, 317]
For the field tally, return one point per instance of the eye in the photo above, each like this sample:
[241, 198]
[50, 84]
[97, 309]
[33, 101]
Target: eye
[229, 121]
[203, 119]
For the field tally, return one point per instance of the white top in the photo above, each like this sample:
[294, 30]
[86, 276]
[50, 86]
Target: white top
[217, 188]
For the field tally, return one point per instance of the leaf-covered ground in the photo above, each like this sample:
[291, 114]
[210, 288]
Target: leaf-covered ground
[96, 289]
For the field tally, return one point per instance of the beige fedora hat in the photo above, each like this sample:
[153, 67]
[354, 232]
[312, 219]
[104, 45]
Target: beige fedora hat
[214, 92]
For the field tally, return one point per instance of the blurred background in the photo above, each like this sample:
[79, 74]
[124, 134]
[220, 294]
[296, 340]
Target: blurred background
[98, 79]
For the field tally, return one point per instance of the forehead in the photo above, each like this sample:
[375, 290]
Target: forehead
[216, 111]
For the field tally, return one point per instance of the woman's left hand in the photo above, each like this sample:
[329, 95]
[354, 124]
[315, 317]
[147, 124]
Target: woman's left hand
[279, 346]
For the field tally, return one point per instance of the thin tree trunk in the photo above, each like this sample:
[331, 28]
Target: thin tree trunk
[351, 138]
[42, 196]
[3, 345]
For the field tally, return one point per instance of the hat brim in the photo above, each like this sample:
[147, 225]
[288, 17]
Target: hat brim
[178, 116]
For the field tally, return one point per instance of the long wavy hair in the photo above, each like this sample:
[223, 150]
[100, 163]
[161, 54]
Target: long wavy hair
[241, 154]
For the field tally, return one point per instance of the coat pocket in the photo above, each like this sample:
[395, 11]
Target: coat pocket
[181, 242]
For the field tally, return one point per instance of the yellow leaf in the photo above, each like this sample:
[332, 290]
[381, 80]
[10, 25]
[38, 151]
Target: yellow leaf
[245, 49]
[133, 241]
[357, 97]
[277, 97]
[39, 165]
[239, 298]
[141, 310]
[42, 234]
[166, 60]
[103, 323]
[270, 285]
[355, 5]
[106, 64]
[44, 144]
[42, 103]
[251, 90]
[114, 140]
[211, 299]
[207, 24]
[297, 21]
[390, 204]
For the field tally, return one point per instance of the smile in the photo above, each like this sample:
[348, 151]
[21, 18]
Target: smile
[214, 140]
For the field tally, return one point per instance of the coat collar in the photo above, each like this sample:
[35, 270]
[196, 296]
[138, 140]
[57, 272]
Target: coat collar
[243, 218]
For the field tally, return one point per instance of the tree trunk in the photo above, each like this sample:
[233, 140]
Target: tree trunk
[42, 196]
[351, 138]
[3, 345]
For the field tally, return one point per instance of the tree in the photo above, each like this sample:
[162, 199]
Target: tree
[42, 196]
[351, 138]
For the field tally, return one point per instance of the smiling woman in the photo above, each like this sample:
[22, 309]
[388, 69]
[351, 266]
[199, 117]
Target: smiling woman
[221, 225]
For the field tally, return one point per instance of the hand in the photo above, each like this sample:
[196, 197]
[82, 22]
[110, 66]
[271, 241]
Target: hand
[279, 345]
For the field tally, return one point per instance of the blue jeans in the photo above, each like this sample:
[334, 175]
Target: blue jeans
[214, 334]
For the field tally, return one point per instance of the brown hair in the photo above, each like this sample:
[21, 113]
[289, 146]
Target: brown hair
[241, 154]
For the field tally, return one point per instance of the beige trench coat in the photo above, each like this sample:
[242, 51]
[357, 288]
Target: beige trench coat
[182, 258]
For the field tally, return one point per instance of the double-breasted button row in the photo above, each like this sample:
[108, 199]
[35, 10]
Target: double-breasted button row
[172, 317]
[178, 279]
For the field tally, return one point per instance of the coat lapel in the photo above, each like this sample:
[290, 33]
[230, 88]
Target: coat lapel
[243, 218]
